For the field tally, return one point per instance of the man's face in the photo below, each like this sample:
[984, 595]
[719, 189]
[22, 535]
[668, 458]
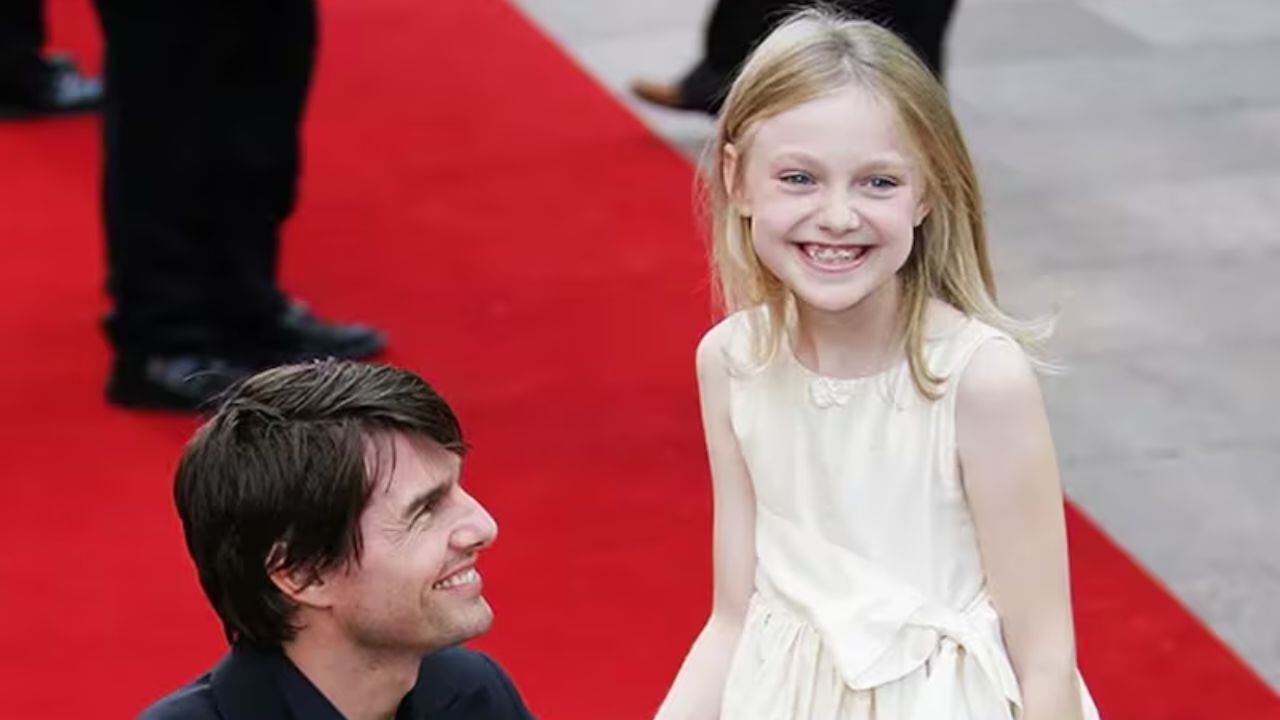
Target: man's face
[415, 587]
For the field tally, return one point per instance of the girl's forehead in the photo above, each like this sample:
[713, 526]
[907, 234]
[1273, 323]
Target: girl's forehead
[851, 121]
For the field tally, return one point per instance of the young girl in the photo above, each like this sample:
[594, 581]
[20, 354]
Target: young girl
[889, 539]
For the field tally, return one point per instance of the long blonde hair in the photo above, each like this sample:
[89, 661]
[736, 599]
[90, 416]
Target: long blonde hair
[816, 52]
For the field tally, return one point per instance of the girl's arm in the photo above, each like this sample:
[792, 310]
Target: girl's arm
[1011, 481]
[696, 692]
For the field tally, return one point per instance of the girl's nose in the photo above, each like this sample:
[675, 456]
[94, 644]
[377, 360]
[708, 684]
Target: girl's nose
[839, 216]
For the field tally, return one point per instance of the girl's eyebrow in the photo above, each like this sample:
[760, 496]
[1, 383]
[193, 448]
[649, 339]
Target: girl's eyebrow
[795, 156]
[891, 161]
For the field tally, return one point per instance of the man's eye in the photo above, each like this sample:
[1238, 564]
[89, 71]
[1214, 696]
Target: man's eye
[425, 511]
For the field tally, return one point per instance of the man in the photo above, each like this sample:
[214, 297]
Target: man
[33, 83]
[323, 509]
[736, 26]
[204, 101]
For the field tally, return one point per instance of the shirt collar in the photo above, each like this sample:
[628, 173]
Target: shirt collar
[303, 698]
[307, 702]
[260, 684]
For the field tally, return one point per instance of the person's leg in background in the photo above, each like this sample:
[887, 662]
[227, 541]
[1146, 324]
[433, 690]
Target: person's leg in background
[201, 123]
[160, 126]
[32, 83]
[924, 23]
[736, 26]
[267, 85]
[733, 29]
[21, 40]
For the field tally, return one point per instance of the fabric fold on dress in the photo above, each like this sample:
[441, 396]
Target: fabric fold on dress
[878, 628]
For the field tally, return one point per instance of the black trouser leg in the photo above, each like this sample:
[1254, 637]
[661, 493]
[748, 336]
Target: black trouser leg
[921, 23]
[733, 31]
[256, 184]
[204, 99]
[736, 26]
[21, 39]
[924, 25]
[160, 125]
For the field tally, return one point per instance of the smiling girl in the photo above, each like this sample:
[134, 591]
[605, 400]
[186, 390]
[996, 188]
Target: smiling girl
[889, 539]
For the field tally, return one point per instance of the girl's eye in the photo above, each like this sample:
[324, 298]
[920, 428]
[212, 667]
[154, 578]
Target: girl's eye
[796, 178]
[882, 182]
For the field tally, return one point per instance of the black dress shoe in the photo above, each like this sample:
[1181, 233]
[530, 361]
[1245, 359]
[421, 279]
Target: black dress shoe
[301, 336]
[180, 382]
[59, 89]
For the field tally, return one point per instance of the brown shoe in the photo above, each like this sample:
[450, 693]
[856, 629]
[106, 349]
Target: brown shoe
[662, 94]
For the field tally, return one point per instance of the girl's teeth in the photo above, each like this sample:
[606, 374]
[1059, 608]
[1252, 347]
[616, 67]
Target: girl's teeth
[829, 254]
[467, 576]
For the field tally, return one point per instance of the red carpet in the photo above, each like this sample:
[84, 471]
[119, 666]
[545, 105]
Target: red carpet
[529, 247]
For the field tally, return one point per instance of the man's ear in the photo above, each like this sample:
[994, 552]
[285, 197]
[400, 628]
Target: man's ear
[733, 188]
[303, 586]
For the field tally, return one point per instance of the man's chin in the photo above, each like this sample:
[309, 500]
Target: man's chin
[472, 622]
[484, 617]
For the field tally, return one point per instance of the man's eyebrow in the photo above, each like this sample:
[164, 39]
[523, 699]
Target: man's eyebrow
[426, 499]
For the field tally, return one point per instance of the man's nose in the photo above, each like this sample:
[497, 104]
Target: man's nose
[478, 529]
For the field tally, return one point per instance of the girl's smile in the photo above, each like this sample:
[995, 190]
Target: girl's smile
[828, 258]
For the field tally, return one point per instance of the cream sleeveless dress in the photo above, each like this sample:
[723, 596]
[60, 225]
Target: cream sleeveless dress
[870, 599]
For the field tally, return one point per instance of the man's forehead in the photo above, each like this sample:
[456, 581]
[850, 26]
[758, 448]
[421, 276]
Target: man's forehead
[406, 464]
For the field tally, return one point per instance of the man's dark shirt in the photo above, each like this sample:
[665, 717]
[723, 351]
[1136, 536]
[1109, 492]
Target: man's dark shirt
[251, 684]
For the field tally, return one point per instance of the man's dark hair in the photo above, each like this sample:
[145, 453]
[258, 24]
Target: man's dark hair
[277, 480]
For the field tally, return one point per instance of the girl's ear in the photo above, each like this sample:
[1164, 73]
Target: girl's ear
[923, 207]
[730, 167]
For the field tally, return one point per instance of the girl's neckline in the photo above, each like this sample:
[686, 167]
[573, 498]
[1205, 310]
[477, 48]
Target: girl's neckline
[889, 369]
[815, 375]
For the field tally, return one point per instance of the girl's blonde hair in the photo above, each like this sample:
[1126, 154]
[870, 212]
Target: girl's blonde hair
[816, 52]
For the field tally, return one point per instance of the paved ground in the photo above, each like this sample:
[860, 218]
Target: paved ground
[1131, 154]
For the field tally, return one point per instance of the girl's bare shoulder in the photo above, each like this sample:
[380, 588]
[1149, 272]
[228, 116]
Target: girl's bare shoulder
[725, 344]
